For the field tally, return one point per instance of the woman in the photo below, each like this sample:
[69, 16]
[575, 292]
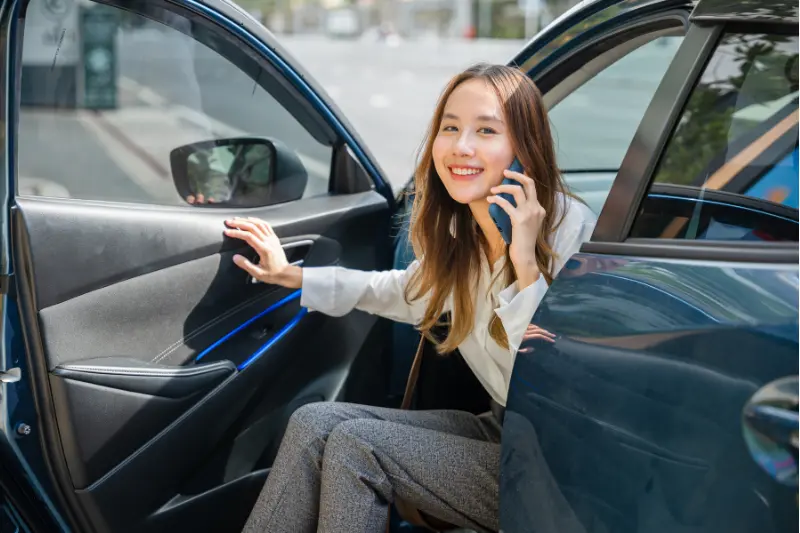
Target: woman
[339, 464]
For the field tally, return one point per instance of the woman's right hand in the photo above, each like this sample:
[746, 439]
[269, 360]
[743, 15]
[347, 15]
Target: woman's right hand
[272, 267]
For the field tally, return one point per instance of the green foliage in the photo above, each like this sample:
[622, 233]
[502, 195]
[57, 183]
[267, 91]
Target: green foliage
[702, 133]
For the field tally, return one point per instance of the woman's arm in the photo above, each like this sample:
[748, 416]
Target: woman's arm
[517, 307]
[336, 291]
[333, 291]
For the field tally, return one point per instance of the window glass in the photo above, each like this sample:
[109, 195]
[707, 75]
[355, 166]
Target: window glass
[594, 125]
[729, 171]
[108, 94]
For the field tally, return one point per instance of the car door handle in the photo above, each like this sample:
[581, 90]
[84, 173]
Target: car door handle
[776, 423]
[770, 421]
[296, 252]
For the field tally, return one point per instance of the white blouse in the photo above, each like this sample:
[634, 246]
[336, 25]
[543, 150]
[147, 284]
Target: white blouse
[336, 291]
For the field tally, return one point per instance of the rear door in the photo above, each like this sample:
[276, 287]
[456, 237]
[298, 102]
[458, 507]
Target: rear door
[668, 402]
[161, 376]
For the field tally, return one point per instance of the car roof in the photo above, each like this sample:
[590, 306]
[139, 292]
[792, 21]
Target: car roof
[770, 11]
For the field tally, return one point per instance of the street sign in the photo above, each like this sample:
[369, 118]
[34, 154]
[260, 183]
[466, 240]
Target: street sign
[99, 25]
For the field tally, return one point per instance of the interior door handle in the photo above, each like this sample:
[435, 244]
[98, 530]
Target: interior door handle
[771, 421]
[296, 252]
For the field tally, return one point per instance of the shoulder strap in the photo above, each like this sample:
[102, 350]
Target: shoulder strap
[413, 375]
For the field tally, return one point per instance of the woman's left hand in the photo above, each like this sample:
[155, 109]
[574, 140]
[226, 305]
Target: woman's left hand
[534, 332]
[526, 222]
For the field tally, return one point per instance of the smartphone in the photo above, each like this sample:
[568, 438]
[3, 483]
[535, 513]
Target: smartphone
[498, 214]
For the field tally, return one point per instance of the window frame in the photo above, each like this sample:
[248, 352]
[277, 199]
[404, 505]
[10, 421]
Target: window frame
[639, 166]
[584, 45]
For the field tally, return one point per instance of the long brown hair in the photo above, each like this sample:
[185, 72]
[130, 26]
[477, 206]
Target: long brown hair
[443, 232]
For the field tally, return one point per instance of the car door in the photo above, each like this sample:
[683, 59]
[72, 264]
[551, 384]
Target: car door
[156, 377]
[668, 401]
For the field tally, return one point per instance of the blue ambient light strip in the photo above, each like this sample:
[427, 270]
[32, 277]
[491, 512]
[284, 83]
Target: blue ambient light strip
[280, 303]
[275, 338]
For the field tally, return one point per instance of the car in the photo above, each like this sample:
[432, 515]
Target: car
[146, 381]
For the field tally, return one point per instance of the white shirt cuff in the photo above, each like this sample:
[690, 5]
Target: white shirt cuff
[318, 288]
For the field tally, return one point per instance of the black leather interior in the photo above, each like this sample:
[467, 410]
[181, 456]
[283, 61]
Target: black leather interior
[141, 377]
[101, 426]
[120, 301]
[165, 237]
[171, 314]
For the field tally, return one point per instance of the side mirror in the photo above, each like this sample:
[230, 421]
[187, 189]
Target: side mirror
[238, 172]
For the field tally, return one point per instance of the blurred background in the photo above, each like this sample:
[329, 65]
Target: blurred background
[385, 61]
[408, 19]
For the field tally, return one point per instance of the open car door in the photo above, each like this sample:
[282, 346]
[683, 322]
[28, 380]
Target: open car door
[161, 375]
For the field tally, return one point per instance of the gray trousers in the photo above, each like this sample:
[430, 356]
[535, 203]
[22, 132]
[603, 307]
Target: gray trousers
[340, 465]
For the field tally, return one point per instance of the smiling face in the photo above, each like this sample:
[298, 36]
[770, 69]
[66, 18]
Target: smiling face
[472, 145]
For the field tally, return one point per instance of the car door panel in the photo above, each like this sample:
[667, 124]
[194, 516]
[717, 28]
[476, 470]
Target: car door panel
[635, 411]
[101, 424]
[157, 376]
[166, 236]
[160, 351]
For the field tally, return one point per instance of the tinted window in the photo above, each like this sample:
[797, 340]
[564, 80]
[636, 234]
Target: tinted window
[729, 171]
[107, 95]
[595, 123]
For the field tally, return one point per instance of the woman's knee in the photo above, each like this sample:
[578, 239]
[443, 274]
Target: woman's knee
[350, 437]
[316, 420]
[311, 416]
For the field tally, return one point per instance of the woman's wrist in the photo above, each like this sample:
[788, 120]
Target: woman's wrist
[527, 276]
[290, 277]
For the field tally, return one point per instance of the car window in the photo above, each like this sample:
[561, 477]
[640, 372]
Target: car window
[729, 170]
[594, 124]
[107, 94]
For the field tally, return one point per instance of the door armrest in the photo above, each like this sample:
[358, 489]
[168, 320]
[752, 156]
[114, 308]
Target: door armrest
[144, 377]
